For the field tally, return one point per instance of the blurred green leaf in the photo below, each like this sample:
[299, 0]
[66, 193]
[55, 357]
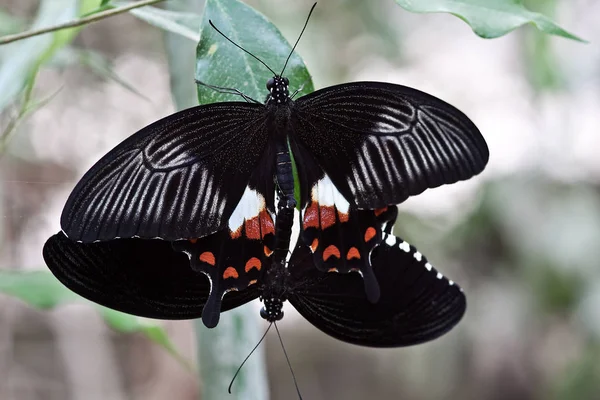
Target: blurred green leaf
[581, 379]
[20, 61]
[10, 23]
[40, 289]
[95, 61]
[182, 23]
[557, 290]
[220, 63]
[489, 18]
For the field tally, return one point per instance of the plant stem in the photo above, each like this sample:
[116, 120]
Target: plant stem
[83, 21]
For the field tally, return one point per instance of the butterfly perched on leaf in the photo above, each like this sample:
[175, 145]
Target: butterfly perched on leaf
[192, 215]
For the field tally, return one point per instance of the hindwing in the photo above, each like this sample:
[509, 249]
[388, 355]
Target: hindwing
[232, 259]
[417, 303]
[143, 277]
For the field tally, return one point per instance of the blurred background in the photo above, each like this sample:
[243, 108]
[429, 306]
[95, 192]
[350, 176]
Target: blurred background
[522, 239]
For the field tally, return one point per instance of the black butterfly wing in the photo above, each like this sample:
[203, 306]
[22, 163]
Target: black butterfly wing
[381, 143]
[138, 276]
[180, 177]
[417, 303]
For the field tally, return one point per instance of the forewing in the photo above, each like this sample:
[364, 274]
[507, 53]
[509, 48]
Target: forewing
[417, 303]
[180, 177]
[138, 276]
[381, 143]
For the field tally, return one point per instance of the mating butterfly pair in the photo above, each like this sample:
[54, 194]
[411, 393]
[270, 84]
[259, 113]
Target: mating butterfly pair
[208, 192]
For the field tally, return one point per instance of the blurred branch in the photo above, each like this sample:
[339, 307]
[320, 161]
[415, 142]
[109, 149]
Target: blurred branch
[83, 21]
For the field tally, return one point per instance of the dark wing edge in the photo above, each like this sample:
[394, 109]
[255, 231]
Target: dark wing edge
[180, 177]
[142, 277]
[417, 303]
[381, 143]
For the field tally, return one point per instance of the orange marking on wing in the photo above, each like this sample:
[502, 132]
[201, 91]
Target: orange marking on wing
[230, 272]
[332, 270]
[370, 233]
[253, 263]
[314, 245]
[266, 223]
[353, 253]
[193, 241]
[267, 251]
[343, 217]
[331, 251]
[311, 216]
[236, 234]
[380, 211]
[252, 282]
[253, 228]
[327, 216]
[208, 258]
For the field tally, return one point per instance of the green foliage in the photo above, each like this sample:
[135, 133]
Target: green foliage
[220, 63]
[40, 289]
[182, 23]
[489, 18]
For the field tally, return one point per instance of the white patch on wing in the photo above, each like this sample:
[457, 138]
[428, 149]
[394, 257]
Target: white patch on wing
[325, 193]
[405, 246]
[248, 207]
[418, 256]
[390, 239]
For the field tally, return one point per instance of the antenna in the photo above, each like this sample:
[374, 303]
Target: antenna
[296, 44]
[285, 353]
[241, 48]
[247, 357]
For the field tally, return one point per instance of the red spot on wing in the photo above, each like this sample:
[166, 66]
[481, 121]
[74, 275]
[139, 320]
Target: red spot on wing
[314, 245]
[331, 251]
[311, 216]
[380, 211]
[253, 263]
[230, 272]
[208, 258]
[353, 253]
[193, 241]
[343, 217]
[327, 216]
[332, 270]
[266, 223]
[236, 234]
[253, 228]
[252, 282]
[370, 233]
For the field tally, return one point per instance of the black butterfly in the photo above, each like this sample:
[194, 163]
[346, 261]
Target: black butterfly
[204, 181]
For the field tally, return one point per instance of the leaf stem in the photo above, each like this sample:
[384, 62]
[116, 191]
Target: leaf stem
[83, 21]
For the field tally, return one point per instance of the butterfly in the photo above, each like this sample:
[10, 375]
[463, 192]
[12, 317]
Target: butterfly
[208, 192]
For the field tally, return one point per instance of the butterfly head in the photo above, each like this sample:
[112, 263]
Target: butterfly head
[278, 89]
[272, 310]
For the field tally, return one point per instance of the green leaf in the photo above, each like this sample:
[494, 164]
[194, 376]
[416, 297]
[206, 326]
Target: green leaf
[40, 289]
[20, 61]
[220, 63]
[9, 23]
[182, 23]
[95, 61]
[489, 18]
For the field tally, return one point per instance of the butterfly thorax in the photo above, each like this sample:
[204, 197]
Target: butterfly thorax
[278, 90]
[273, 292]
